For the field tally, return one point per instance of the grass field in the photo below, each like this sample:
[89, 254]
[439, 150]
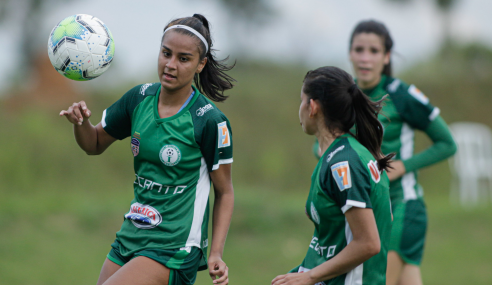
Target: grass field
[60, 209]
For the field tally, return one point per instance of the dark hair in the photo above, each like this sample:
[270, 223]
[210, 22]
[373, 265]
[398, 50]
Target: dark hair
[343, 104]
[374, 27]
[213, 80]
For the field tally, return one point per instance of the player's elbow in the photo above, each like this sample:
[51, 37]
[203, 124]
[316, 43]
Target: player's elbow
[371, 248]
[453, 148]
[374, 248]
[93, 152]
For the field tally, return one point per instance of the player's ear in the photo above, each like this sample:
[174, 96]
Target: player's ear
[313, 108]
[201, 65]
[387, 57]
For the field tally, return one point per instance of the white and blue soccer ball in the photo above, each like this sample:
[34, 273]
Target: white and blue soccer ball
[81, 47]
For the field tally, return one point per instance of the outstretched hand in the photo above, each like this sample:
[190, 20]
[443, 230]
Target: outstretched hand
[77, 113]
[218, 269]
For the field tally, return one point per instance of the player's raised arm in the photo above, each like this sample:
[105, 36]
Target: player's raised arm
[92, 139]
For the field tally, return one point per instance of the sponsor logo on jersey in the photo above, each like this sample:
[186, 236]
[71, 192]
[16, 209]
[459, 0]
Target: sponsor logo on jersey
[136, 135]
[322, 250]
[152, 185]
[417, 94]
[314, 214]
[375, 174]
[341, 174]
[330, 156]
[224, 137]
[135, 146]
[201, 111]
[144, 87]
[170, 155]
[144, 216]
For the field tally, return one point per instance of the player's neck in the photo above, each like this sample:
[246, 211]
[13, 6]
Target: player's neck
[326, 138]
[174, 98]
[369, 85]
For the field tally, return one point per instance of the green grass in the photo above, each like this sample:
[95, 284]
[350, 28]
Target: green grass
[60, 209]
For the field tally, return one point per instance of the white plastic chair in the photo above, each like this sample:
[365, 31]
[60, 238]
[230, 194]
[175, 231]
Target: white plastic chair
[471, 166]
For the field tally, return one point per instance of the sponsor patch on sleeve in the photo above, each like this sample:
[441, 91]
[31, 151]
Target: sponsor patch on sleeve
[417, 94]
[224, 137]
[341, 174]
[373, 168]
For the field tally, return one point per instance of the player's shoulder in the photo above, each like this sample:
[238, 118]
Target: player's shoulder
[342, 151]
[402, 91]
[204, 109]
[141, 91]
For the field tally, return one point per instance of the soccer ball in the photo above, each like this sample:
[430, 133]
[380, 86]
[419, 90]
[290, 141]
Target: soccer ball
[81, 47]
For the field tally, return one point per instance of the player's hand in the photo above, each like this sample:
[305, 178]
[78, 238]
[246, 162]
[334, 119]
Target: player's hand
[77, 113]
[218, 270]
[397, 170]
[293, 279]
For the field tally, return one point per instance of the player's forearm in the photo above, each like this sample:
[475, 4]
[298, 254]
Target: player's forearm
[222, 214]
[443, 147]
[86, 137]
[356, 252]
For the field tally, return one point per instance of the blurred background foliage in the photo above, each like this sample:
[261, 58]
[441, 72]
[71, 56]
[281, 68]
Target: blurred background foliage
[60, 208]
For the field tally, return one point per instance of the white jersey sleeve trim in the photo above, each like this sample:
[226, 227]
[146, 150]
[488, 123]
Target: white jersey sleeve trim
[434, 114]
[222, 161]
[352, 203]
[103, 120]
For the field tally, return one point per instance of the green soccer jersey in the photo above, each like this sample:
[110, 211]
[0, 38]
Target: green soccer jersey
[172, 160]
[404, 110]
[347, 176]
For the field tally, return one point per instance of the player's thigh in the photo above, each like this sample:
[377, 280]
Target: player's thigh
[107, 270]
[394, 268]
[140, 270]
[410, 275]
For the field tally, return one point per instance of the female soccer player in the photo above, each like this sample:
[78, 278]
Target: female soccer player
[180, 141]
[406, 110]
[349, 200]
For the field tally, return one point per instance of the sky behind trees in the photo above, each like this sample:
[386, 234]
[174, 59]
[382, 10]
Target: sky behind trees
[311, 33]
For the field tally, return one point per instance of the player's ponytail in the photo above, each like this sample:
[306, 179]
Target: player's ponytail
[368, 129]
[343, 104]
[378, 28]
[212, 80]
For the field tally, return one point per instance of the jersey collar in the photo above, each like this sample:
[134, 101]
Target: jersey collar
[181, 112]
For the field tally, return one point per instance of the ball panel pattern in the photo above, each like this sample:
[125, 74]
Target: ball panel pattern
[81, 47]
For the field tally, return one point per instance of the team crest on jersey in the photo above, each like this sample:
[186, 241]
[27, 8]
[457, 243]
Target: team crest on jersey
[143, 216]
[375, 173]
[224, 137]
[135, 146]
[417, 94]
[314, 214]
[341, 174]
[170, 155]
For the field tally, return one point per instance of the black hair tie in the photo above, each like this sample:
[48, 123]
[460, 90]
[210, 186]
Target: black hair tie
[352, 88]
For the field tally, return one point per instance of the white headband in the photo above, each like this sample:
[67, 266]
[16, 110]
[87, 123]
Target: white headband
[191, 30]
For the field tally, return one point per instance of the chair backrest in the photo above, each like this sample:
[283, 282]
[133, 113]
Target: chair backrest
[474, 155]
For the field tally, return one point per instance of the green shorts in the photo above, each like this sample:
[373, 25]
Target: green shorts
[183, 265]
[408, 231]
